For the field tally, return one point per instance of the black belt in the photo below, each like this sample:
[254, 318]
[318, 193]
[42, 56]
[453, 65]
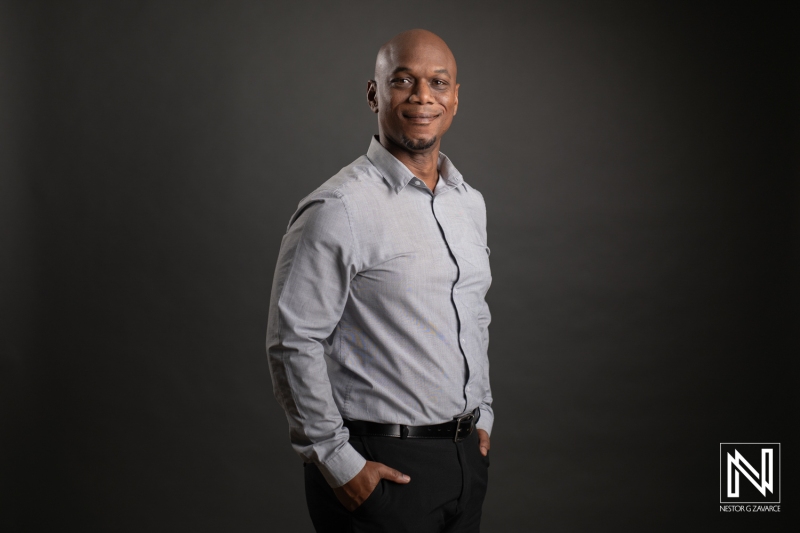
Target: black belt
[457, 429]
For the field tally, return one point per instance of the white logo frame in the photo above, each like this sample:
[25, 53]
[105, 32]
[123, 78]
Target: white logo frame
[760, 483]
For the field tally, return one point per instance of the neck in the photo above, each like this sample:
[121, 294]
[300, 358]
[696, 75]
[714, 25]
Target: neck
[424, 164]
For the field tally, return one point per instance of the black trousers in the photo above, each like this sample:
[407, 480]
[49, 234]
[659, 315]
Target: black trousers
[446, 492]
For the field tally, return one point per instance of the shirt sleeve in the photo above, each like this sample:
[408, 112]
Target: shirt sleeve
[317, 261]
[484, 317]
[486, 420]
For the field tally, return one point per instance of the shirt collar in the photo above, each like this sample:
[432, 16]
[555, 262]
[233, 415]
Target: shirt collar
[398, 175]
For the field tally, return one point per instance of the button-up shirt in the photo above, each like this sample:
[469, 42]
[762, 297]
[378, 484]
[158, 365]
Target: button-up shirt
[378, 307]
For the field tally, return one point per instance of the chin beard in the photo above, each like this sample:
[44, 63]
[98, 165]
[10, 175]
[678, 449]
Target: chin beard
[422, 144]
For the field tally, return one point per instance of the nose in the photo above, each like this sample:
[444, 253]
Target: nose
[421, 94]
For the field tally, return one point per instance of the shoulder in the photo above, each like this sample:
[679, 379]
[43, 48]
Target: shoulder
[473, 200]
[338, 196]
[472, 193]
[350, 181]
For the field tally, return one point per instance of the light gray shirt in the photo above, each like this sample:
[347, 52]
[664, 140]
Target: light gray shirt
[378, 307]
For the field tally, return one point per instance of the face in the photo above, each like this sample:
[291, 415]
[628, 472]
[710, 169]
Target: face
[415, 95]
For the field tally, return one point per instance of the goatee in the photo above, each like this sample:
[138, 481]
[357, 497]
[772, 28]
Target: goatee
[422, 144]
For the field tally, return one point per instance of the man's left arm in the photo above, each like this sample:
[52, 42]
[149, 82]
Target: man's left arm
[486, 420]
[484, 317]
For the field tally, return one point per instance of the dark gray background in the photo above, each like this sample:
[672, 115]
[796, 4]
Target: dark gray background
[639, 164]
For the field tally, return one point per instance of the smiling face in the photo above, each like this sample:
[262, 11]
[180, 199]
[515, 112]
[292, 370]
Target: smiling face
[414, 93]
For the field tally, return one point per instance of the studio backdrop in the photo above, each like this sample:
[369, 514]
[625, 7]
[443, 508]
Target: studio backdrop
[640, 170]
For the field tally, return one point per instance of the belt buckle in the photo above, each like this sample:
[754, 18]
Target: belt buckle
[469, 417]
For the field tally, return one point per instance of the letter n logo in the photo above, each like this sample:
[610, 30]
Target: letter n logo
[758, 464]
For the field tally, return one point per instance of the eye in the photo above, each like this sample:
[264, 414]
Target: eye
[400, 81]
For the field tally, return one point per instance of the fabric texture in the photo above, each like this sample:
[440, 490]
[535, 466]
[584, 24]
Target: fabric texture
[378, 308]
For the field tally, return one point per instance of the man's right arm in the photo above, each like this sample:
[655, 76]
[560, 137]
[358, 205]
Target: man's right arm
[317, 260]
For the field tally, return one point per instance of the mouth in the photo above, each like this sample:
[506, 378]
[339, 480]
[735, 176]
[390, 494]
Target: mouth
[421, 118]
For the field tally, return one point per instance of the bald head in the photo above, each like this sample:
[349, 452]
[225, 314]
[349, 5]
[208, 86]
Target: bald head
[414, 42]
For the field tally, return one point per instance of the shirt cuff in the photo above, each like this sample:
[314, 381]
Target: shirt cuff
[486, 420]
[343, 466]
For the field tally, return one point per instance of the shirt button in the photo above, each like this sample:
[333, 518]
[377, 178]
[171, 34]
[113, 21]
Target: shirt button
[455, 291]
[463, 341]
[416, 182]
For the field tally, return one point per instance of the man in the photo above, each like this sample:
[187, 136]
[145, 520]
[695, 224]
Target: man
[378, 324]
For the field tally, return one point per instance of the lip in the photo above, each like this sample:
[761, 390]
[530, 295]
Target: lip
[421, 118]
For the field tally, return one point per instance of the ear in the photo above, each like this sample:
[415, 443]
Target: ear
[372, 95]
[455, 103]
